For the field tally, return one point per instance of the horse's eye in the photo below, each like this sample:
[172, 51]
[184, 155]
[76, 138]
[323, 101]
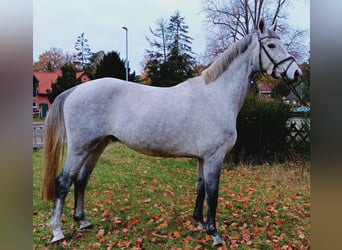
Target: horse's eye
[271, 45]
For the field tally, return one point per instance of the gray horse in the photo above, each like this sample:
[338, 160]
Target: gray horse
[196, 118]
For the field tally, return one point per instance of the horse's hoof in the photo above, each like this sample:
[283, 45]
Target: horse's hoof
[217, 241]
[57, 242]
[90, 226]
[57, 239]
[58, 236]
[85, 224]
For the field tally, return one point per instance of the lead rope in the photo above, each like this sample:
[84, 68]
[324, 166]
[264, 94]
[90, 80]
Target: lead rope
[294, 91]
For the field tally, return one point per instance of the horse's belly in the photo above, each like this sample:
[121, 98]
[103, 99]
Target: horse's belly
[161, 148]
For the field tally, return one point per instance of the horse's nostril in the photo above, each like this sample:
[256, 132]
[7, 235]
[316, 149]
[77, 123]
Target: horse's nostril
[296, 75]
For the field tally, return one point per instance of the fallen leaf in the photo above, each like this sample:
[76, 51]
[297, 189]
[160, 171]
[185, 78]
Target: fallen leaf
[97, 245]
[135, 220]
[270, 234]
[176, 234]
[100, 234]
[301, 236]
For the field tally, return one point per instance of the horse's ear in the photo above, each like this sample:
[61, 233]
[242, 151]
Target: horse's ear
[262, 25]
[274, 26]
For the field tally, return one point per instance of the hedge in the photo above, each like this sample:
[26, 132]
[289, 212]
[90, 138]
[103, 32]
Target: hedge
[261, 132]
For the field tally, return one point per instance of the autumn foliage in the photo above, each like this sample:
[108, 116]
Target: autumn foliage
[140, 202]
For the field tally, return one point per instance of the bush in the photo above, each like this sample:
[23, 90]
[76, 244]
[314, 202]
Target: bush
[261, 132]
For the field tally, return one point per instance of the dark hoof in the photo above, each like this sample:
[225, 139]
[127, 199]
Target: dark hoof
[88, 227]
[218, 245]
[57, 242]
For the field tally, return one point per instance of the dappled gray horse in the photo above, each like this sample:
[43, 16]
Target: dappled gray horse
[196, 118]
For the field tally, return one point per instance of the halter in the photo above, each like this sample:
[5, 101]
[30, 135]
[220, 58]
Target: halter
[275, 64]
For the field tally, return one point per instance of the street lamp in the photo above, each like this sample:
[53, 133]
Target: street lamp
[125, 28]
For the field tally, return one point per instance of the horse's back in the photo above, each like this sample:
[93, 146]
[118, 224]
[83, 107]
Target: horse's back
[145, 118]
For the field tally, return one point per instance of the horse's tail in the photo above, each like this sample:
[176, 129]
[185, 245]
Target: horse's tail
[54, 135]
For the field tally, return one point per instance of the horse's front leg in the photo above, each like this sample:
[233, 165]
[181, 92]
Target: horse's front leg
[198, 213]
[212, 172]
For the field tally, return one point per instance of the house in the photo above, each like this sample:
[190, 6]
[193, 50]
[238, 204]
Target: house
[264, 90]
[83, 76]
[41, 83]
[291, 99]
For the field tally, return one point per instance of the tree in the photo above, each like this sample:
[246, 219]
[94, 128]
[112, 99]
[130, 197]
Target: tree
[160, 33]
[50, 61]
[113, 66]
[66, 81]
[171, 62]
[302, 86]
[304, 82]
[83, 49]
[179, 40]
[231, 20]
[280, 90]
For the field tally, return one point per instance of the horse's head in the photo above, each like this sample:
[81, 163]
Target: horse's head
[273, 57]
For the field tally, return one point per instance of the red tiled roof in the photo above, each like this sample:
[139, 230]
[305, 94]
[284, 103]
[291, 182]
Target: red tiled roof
[82, 76]
[45, 79]
[79, 74]
[264, 88]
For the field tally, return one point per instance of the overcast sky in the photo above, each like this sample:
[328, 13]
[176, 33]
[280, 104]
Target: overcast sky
[59, 23]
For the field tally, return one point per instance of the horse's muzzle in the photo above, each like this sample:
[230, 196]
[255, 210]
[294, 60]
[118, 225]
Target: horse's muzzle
[296, 77]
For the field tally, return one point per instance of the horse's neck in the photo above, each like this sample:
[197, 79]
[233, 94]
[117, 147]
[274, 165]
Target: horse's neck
[233, 84]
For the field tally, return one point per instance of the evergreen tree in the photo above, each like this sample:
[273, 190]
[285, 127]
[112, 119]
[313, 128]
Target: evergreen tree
[280, 90]
[171, 62]
[66, 81]
[113, 66]
[177, 34]
[83, 49]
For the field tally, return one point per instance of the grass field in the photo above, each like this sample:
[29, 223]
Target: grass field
[140, 202]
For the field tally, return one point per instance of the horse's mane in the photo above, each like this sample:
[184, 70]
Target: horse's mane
[222, 63]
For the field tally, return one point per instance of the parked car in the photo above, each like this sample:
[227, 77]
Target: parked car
[302, 110]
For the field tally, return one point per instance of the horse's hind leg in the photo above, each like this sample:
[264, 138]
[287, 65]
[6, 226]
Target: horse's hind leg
[73, 163]
[82, 181]
[198, 213]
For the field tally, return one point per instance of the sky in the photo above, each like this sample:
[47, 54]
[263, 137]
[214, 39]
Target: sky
[59, 23]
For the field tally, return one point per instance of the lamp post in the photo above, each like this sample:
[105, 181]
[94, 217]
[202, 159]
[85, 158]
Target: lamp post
[125, 28]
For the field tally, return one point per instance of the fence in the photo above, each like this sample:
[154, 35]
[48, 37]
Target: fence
[298, 138]
[299, 134]
[38, 132]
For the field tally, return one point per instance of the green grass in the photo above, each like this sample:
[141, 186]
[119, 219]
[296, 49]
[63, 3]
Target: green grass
[137, 201]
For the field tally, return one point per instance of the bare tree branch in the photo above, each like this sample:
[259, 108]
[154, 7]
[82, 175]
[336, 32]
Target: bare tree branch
[234, 19]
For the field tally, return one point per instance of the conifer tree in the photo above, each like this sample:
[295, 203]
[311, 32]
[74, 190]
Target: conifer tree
[66, 81]
[171, 61]
[113, 66]
[83, 49]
